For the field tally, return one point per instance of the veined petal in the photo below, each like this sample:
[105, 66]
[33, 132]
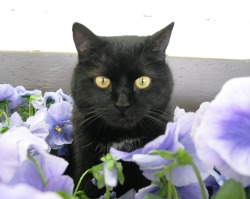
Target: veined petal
[146, 161]
[223, 135]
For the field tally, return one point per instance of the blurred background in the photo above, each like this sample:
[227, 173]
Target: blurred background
[210, 42]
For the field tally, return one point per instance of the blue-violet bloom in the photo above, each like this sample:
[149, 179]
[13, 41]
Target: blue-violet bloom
[7, 92]
[222, 133]
[59, 124]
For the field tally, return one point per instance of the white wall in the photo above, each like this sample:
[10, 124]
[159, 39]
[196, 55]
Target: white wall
[204, 28]
[210, 42]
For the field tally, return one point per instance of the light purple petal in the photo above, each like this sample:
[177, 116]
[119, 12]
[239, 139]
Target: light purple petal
[150, 161]
[191, 191]
[110, 177]
[27, 173]
[9, 93]
[53, 96]
[64, 96]
[60, 112]
[224, 129]
[37, 124]
[50, 164]
[125, 156]
[60, 183]
[149, 189]
[24, 191]
[16, 120]
[14, 145]
[29, 93]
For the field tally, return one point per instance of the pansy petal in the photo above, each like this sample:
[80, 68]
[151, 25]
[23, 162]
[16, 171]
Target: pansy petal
[22, 191]
[224, 129]
[150, 161]
[60, 183]
[191, 191]
[14, 145]
[122, 155]
[149, 189]
[110, 177]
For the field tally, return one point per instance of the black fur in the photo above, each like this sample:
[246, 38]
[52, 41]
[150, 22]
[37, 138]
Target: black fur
[121, 116]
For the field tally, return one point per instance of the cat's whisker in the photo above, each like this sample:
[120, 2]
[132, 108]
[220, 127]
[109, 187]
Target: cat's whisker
[83, 147]
[156, 121]
[159, 113]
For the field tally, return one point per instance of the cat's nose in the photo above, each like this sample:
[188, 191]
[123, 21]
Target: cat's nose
[122, 103]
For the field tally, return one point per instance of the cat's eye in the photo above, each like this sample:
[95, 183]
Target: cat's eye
[102, 82]
[142, 82]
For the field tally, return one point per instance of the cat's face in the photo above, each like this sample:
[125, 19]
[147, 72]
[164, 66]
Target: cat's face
[122, 81]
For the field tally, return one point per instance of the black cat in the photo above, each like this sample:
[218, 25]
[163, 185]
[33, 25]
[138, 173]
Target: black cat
[121, 88]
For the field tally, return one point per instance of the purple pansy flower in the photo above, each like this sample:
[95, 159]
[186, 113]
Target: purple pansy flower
[37, 102]
[60, 127]
[24, 191]
[177, 136]
[56, 97]
[36, 124]
[222, 134]
[14, 145]
[7, 92]
[51, 98]
[64, 96]
[52, 168]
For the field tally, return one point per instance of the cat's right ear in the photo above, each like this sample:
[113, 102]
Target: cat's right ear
[84, 39]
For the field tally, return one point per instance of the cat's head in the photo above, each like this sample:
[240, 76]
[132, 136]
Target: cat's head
[122, 81]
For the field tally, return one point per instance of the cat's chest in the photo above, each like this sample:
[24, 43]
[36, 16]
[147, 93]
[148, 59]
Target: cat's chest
[127, 145]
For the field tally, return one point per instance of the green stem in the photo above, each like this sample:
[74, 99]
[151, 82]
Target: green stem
[170, 184]
[6, 117]
[202, 187]
[175, 193]
[80, 181]
[31, 113]
[39, 169]
[107, 195]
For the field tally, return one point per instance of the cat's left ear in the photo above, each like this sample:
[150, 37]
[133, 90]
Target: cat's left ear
[158, 42]
[85, 40]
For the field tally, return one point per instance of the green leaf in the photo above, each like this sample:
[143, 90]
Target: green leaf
[67, 196]
[151, 196]
[163, 154]
[100, 181]
[183, 157]
[166, 169]
[231, 190]
[163, 191]
[4, 129]
[110, 164]
[121, 177]
[97, 168]
[81, 195]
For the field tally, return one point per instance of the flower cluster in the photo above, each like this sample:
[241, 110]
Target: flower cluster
[31, 127]
[202, 154]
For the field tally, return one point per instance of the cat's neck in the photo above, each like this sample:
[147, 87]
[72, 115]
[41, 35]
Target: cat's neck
[127, 139]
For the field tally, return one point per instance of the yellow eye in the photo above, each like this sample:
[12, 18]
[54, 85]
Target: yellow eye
[102, 82]
[142, 82]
